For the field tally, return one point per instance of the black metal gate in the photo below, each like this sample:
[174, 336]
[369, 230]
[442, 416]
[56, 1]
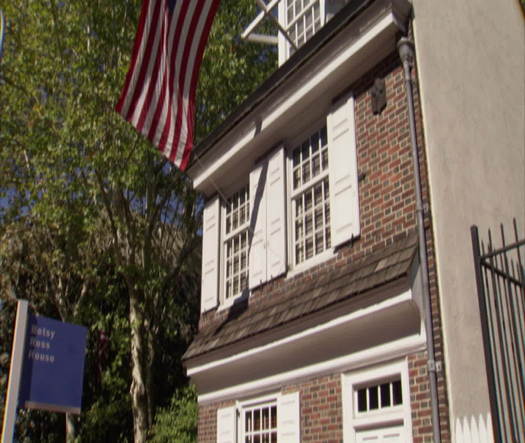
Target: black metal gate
[500, 277]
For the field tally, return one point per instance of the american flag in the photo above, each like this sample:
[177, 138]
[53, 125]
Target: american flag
[158, 97]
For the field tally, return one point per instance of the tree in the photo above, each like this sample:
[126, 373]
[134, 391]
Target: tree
[178, 421]
[81, 192]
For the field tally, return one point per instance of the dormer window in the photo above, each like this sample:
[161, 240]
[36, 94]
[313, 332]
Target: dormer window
[297, 21]
[303, 19]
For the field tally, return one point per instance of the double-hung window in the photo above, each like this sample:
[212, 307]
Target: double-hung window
[236, 230]
[301, 19]
[263, 420]
[310, 197]
[259, 423]
[299, 204]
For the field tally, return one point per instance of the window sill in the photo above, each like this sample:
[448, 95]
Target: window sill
[310, 263]
[229, 303]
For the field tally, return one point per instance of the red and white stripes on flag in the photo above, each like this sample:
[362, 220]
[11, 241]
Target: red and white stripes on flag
[158, 97]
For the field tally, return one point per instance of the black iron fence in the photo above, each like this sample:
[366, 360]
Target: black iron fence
[500, 276]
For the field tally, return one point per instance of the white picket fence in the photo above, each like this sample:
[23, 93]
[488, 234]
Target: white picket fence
[473, 429]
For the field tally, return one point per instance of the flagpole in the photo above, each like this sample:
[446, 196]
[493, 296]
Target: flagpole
[15, 371]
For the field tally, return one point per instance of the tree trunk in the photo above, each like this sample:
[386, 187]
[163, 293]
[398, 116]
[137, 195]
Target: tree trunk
[142, 355]
[140, 369]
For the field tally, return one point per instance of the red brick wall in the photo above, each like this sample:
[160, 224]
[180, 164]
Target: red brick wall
[207, 423]
[387, 211]
[386, 187]
[321, 409]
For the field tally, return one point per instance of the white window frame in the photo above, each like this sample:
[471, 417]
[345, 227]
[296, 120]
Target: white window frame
[224, 237]
[260, 402]
[328, 252]
[285, 48]
[231, 420]
[400, 415]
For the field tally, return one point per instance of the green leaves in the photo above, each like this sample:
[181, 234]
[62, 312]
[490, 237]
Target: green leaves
[231, 68]
[90, 214]
[178, 421]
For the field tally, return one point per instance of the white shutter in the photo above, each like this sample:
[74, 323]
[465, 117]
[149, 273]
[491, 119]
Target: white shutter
[227, 425]
[344, 197]
[276, 215]
[257, 254]
[210, 255]
[288, 418]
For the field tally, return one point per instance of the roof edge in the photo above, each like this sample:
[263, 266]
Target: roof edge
[401, 10]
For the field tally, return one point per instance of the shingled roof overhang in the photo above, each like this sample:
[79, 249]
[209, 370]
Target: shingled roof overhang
[400, 9]
[340, 290]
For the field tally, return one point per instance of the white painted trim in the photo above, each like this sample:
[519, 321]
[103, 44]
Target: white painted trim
[393, 350]
[396, 416]
[309, 263]
[15, 371]
[252, 401]
[385, 304]
[308, 87]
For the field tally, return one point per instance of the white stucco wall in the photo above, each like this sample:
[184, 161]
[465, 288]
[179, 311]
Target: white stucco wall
[471, 67]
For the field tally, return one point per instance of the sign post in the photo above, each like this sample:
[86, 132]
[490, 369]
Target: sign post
[47, 367]
[15, 371]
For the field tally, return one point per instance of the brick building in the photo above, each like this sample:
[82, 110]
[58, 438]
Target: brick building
[322, 317]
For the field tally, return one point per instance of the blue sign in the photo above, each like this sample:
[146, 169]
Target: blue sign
[53, 368]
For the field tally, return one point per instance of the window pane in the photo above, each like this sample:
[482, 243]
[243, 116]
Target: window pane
[379, 396]
[299, 253]
[316, 165]
[396, 392]
[308, 201]
[361, 400]
[305, 152]
[385, 395]
[306, 171]
[318, 194]
[319, 242]
[296, 178]
[324, 138]
[257, 420]
[324, 160]
[373, 397]
[309, 247]
[248, 421]
[308, 224]
[314, 141]
[296, 157]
